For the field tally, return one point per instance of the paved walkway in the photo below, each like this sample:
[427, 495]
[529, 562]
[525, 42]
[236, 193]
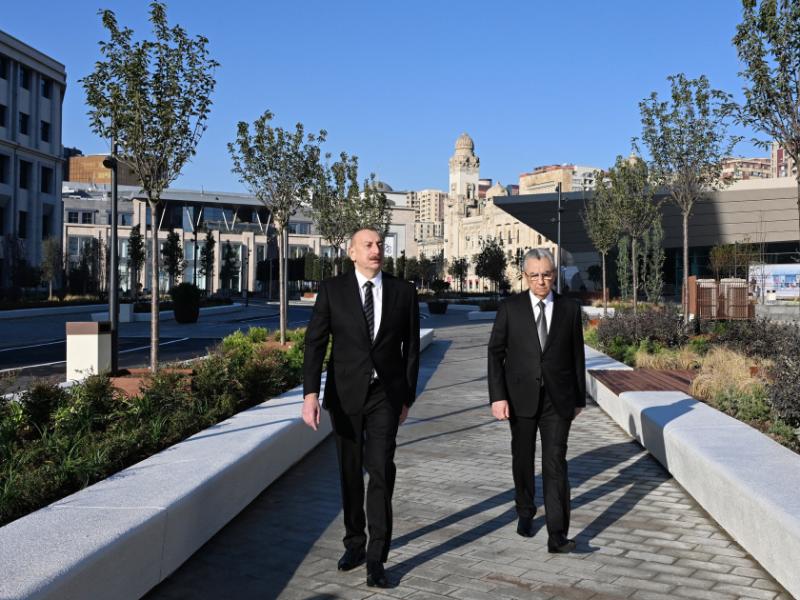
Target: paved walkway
[640, 535]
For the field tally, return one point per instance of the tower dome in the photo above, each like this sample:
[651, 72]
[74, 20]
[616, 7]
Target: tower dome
[464, 142]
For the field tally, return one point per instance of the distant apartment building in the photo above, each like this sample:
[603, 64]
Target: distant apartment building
[32, 87]
[738, 169]
[543, 180]
[90, 169]
[782, 164]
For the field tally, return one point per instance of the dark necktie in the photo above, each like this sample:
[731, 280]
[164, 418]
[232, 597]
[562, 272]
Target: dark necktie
[369, 310]
[541, 325]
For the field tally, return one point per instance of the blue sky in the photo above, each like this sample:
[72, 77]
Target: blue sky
[395, 83]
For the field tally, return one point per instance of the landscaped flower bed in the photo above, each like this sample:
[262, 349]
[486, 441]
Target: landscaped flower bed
[55, 441]
[747, 369]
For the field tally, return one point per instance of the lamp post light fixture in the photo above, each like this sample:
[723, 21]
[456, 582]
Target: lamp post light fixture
[110, 162]
[558, 239]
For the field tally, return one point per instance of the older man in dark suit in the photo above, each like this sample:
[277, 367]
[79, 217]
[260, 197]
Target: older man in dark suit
[537, 382]
[373, 319]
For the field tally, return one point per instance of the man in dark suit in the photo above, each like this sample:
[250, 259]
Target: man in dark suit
[373, 319]
[537, 381]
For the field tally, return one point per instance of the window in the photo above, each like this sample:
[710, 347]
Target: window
[47, 87]
[24, 77]
[299, 228]
[72, 217]
[45, 130]
[2, 115]
[23, 123]
[87, 218]
[25, 169]
[45, 227]
[4, 162]
[125, 219]
[3, 67]
[46, 181]
[22, 228]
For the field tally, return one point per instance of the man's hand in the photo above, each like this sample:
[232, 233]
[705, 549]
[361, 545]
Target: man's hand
[403, 413]
[311, 410]
[578, 410]
[500, 410]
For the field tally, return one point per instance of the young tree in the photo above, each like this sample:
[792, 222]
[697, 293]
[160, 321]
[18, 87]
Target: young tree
[624, 266]
[601, 226]
[207, 257]
[388, 265]
[458, 270]
[632, 205]
[136, 258]
[426, 269]
[412, 269]
[491, 263]
[229, 266]
[51, 262]
[652, 277]
[278, 167]
[333, 201]
[402, 264]
[373, 209]
[152, 97]
[173, 257]
[767, 44]
[687, 139]
[312, 267]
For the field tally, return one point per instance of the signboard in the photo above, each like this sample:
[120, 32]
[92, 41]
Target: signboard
[783, 280]
[389, 244]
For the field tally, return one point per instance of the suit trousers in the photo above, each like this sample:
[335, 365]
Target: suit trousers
[367, 441]
[554, 430]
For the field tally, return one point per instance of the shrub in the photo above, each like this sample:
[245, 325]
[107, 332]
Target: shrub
[38, 405]
[784, 390]
[88, 406]
[488, 305]
[654, 325]
[186, 302]
[683, 358]
[258, 335]
[724, 371]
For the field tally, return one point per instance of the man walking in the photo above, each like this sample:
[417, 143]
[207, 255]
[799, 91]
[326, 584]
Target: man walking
[373, 319]
[537, 382]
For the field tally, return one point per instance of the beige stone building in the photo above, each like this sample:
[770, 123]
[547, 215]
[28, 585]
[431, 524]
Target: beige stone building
[781, 164]
[738, 169]
[90, 169]
[543, 180]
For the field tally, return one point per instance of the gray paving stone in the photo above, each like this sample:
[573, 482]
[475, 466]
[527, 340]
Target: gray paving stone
[640, 536]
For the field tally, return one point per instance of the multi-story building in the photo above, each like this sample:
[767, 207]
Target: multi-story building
[737, 169]
[782, 165]
[238, 221]
[543, 180]
[90, 169]
[32, 87]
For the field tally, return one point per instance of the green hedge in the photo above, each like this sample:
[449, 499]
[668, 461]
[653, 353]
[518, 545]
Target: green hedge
[55, 441]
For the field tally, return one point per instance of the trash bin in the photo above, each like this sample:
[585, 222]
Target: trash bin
[88, 349]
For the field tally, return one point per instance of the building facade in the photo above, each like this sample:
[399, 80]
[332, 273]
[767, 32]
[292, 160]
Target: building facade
[90, 169]
[738, 169]
[781, 164]
[543, 180]
[32, 87]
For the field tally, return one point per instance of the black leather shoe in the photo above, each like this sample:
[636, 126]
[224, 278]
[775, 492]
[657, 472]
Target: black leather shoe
[525, 526]
[376, 576]
[351, 559]
[564, 547]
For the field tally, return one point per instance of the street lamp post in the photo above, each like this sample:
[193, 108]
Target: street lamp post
[110, 162]
[558, 240]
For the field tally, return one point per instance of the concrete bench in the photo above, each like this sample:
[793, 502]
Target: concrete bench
[477, 315]
[747, 482]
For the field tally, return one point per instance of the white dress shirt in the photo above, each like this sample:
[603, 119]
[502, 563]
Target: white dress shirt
[548, 308]
[377, 296]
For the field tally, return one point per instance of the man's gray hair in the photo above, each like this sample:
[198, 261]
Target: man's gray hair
[539, 254]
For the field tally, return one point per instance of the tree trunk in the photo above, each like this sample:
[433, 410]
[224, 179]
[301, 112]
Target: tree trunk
[282, 305]
[605, 291]
[50, 293]
[634, 267]
[154, 287]
[685, 292]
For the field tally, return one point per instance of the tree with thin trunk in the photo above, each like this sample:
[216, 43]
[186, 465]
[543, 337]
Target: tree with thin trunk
[601, 226]
[373, 209]
[207, 260]
[653, 262]
[152, 98]
[768, 44]
[333, 202]
[632, 206]
[402, 265]
[173, 257]
[278, 167]
[458, 270]
[687, 139]
[491, 262]
[51, 262]
[136, 258]
[229, 266]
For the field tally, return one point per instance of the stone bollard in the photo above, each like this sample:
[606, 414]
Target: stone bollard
[88, 349]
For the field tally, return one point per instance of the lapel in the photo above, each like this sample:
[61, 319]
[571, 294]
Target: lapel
[354, 304]
[554, 321]
[388, 298]
[530, 321]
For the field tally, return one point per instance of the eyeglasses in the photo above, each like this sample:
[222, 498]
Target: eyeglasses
[547, 276]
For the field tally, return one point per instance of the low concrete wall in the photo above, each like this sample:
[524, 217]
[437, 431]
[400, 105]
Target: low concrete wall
[119, 538]
[477, 315]
[23, 313]
[166, 315]
[747, 482]
[779, 312]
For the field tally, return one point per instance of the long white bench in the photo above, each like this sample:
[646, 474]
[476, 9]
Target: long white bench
[747, 482]
[122, 536]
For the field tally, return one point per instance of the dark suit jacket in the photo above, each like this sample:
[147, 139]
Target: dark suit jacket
[394, 355]
[517, 366]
